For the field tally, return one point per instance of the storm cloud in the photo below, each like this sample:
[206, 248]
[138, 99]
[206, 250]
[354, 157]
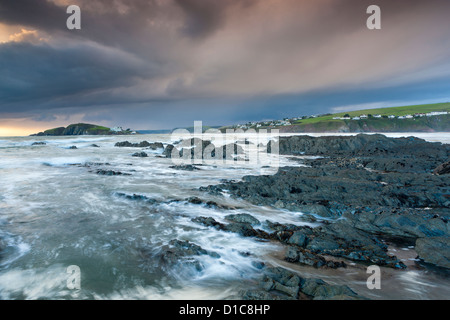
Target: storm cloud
[228, 60]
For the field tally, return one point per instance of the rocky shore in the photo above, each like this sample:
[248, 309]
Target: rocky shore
[365, 189]
[356, 195]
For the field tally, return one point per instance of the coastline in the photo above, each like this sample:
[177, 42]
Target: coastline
[220, 223]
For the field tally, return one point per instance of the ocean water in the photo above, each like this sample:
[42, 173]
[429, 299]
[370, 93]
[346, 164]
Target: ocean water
[56, 211]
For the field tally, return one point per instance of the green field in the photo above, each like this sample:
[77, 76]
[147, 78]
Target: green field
[396, 111]
[326, 123]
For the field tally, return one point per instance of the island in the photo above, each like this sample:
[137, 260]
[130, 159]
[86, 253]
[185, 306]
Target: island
[84, 129]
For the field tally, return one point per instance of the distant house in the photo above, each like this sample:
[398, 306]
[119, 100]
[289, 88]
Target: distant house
[377, 115]
[408, 116]
[417, 115]
[391, 116]
[401, 117]
[436, 113]
[363, 116]
[337, 118]
[356, 118]
[117, 129]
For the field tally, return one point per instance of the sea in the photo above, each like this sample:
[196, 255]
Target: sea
[67, 232]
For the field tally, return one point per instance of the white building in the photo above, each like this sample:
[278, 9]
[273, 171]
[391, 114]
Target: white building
[391, 116]
[117, 129]
[436, 113]
[377, 116]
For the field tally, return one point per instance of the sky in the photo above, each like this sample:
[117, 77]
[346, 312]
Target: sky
[161, 64]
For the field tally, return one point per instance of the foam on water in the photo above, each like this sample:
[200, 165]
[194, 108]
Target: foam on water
[55, 213]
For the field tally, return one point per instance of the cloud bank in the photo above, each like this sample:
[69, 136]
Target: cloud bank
[179, 60]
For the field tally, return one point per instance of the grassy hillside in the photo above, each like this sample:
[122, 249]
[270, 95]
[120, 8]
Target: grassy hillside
[81, 129]
[326, 123]
[396, 111]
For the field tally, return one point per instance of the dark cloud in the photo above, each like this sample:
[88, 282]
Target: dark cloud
[203, 17]
[41, 14]
[43, 73]
[225, 59]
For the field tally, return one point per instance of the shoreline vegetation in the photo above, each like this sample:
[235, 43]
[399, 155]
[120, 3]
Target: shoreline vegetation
[84, 129]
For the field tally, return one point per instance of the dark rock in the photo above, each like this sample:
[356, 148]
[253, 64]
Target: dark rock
[137, 197]
[168, 151]
[73, 147]
[298, 238]
[306, 257]
[140, 155]
[280, 283]
[203, 149]
[261, 295]
[319, 289]
[180, 252]
[434, 250]
[143, 144]
[208, 204]
[409, 223]
[111, 173]
[188, 167]
[442, 168]
[243, 229]
[243, 218]
[258, 264]
[208, 222]
[156, 146]
[38, 144]
[95, 146]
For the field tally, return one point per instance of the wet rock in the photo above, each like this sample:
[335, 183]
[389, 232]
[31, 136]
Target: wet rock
[243, 229]
[320, 290]
[168, 151]
[137, 197]
[380, 187]
[260, 295]
[208, 222]
[111, 173]
[258, 264]
[156, 146]
[442, 168]
[73, 147]
[400, 223]
[298, 238]
[243, 218]
[188, 167]
[280, 283]
[140, 155]
[208, 204]
[142, 144]
[38, 144]
[306, 257]
[202, 149]
[434, 250]
[179, 252]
